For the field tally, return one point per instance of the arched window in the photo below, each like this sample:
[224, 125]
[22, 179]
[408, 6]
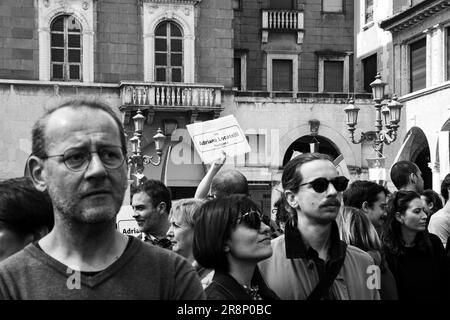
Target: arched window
[168, 52]
[65, 47]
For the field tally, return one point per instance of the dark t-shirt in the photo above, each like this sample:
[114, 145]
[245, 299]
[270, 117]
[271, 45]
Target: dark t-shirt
[143, 271]
[421, 275]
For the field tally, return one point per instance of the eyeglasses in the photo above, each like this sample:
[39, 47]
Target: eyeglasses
[321, 184]
[78, 159]
[253, 219]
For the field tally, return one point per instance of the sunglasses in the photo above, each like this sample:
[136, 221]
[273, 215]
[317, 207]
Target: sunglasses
[320, 185]
[253, 219]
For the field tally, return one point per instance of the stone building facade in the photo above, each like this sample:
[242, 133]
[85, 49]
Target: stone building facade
[416, 62]
[285, 69]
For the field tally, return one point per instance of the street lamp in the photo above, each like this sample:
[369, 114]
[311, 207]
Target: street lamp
[390, 113]
[137, 160]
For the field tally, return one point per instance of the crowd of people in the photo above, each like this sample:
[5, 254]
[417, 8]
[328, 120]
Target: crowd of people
[329, 240]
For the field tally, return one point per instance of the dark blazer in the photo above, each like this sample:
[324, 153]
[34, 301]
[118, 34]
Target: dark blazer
[225, 287]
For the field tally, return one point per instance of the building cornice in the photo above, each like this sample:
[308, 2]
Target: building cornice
[416, 14]
[193, 2]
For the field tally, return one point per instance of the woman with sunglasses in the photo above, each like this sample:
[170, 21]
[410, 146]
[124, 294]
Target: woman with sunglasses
[415, 257]
[231, 236]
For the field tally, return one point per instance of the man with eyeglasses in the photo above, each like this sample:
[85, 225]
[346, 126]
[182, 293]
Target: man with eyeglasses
[78, 156]
[310, 261]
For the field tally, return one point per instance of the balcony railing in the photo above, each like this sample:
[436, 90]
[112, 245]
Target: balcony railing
[290, 20]
[170, 95]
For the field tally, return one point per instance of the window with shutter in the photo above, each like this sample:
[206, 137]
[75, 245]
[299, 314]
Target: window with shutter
[332, 5]
[237, 73]
[370, 71]
[282, 75]
[418, 64]
[333, 76]
[281, 4]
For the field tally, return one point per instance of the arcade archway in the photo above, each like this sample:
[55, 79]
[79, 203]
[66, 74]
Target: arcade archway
[302, 145]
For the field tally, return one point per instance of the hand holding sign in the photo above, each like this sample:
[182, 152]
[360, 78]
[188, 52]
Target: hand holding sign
[214, 138]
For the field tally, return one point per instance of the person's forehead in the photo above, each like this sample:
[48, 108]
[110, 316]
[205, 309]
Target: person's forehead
[141, 198]
[381, 196]
[317, 168]
[416, 202]
[177, 217]
[72, 125]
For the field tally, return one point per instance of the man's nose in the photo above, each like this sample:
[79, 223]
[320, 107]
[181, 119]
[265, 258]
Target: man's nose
[331, 190]
[95, 167]
[135, 214]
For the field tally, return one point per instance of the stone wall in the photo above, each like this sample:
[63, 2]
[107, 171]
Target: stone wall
[18, 40]
[322, 32]
[214, 43]
[118, 45]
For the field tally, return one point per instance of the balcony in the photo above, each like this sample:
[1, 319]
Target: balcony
[282, 20]
[171, 97]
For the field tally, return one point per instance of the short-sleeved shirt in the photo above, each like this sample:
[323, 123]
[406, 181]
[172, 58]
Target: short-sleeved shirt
[143, 271]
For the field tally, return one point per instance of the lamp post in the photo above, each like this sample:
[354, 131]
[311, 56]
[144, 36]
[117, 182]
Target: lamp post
[137, 160]
[390, 113]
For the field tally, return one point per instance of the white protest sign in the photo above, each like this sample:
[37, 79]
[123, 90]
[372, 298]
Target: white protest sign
[211, 137]
[125, 222]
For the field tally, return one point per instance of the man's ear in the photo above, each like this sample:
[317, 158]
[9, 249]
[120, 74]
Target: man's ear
[291, 199]
[37, 173]
[365, 207]
[162, 208]
[413, 178]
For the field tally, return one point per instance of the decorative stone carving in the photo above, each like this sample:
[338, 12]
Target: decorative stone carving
[85, 5]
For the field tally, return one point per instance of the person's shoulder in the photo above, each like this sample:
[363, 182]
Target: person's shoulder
[440, 215]
[215, 291]
[19, 260]
[150, 251]
[359, 255]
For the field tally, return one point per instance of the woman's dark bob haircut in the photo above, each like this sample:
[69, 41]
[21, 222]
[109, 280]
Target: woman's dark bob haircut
[215, 220]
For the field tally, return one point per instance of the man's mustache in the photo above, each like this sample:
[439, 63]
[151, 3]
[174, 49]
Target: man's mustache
[331, 202]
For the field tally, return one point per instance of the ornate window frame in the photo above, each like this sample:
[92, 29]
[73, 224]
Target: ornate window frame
[345, 58]
[83, 11]
[184, 15]
[282, 56]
